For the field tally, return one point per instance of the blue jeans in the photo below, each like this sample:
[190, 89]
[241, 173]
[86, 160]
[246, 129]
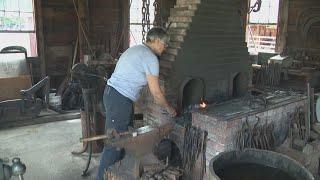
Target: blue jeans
[119, 116]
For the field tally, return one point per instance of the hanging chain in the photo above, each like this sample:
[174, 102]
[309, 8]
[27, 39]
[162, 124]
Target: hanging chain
[145, 18]
[143, 23]
[148, 14]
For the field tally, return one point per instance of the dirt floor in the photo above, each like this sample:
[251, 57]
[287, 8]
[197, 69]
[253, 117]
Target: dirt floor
[46, 150]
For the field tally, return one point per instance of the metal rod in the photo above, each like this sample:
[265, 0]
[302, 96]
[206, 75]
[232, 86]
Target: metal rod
[307, 120]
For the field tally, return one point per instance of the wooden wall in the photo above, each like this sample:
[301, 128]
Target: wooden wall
[105, 24]
[59, 35]
[109, 25]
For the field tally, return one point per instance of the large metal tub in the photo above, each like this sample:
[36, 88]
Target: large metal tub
[256, 164]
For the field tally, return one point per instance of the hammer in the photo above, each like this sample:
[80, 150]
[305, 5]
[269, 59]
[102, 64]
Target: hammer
[113, 133]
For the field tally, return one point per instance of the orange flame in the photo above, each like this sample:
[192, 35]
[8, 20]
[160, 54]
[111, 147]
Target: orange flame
[203, 105]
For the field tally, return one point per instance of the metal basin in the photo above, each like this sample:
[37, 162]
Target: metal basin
[253, 164]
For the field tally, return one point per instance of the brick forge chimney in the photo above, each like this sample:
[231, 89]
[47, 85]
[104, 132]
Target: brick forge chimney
[206, 42]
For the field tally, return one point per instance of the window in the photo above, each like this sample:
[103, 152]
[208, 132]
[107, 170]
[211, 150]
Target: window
[262, 27]
[268, 13]
[136, 21]
[17, 27]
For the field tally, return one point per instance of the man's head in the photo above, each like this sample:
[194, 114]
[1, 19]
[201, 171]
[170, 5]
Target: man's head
[157, 39]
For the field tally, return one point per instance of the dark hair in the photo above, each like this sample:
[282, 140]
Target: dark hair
[157, 33]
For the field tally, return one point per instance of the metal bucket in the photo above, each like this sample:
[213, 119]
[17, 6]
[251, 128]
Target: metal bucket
[256, 164]
[55, 101]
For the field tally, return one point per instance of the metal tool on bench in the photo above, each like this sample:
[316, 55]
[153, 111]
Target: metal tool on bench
[28, 105]
[14, 70]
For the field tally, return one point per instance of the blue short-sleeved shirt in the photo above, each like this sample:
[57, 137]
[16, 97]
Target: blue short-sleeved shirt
[130, 74]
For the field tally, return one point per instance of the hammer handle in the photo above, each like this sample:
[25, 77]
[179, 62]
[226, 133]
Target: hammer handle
[99, 137]
[94, 138]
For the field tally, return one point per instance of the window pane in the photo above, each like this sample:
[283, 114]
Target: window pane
[12, 21]
[27, 23]
[135, 35]
[2, 19]
[135, 12]
[268, 12]
[11, 5]
[2, 5]
[26, 5]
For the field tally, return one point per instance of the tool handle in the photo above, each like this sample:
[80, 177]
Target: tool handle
[94, 138]
[99, 137]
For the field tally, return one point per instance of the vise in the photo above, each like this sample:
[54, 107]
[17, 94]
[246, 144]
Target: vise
[18, 98]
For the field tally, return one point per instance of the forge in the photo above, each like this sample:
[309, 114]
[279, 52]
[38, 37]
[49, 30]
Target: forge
[225, 120]
[207, 61]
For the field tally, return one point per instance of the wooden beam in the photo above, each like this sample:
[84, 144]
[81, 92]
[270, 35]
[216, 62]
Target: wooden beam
[81, 16]
[40, 37]
[41, 45]
[126, 22]
[282, 25]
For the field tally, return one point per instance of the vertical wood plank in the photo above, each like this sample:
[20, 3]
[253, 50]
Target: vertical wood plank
[40, 37]
[282, 25]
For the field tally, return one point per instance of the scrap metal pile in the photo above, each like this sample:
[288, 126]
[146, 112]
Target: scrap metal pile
[298, 124]
[268, 74]
[259, 136]
[161, 172]
[194, 148]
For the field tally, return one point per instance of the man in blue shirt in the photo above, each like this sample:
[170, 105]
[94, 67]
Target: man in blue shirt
[137, 67]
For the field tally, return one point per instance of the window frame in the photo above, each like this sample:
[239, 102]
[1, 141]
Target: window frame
[20, 11]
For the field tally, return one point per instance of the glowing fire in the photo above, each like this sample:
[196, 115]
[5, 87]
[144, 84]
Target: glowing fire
[203, 105]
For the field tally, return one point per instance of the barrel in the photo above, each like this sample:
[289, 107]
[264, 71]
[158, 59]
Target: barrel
[252, 164]
[55, 101]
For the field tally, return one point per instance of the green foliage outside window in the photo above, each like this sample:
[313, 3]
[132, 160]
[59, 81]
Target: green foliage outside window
[16, 15]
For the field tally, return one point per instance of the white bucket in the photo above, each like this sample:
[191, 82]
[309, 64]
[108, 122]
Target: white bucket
[52, 95]
[55, 101]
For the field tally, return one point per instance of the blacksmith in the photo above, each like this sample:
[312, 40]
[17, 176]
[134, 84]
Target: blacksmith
[138, 66]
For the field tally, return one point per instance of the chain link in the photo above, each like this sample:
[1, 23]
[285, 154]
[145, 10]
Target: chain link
[145, 18]
[148, 14]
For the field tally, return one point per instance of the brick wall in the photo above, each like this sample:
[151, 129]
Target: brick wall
[206, 41]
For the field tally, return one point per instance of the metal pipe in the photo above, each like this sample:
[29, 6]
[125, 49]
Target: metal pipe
[307, 120]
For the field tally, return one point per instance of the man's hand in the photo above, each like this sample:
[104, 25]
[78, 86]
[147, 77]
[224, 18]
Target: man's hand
[172, 111]
[153, 83]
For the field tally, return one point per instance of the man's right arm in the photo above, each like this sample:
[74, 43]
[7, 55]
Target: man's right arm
[153, 83]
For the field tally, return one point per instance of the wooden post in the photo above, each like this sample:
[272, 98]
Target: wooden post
[282, 26]
[80, 17]
[41, 45]
[40, 37]
[126, 22]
